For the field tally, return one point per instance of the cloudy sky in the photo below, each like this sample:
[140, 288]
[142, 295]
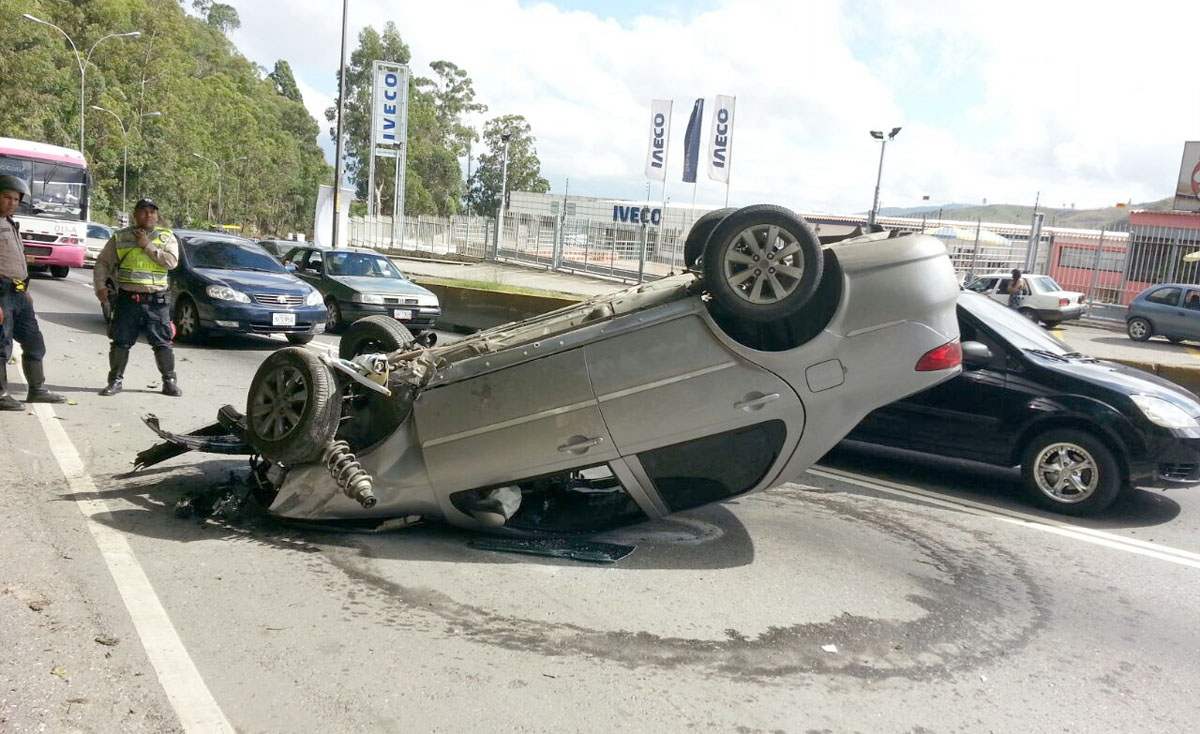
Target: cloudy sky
[1086, 103]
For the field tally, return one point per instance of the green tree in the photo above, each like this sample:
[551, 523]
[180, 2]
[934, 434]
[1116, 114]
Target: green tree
[221, 16]
[285, 81]
[524, 168]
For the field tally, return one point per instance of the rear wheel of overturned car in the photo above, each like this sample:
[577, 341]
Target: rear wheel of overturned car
[374, 335]
[762, 263]
[293, 407]
[1139, 329]
[697, 237]
[1070, 471]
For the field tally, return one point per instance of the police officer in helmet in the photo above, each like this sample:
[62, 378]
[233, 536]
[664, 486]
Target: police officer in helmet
[17, 319]
[138, 259]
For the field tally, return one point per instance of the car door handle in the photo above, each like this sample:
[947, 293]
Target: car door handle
[580, 444]
[750, 404]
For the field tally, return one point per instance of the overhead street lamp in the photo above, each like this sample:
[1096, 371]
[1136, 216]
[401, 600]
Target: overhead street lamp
[125, 144]
[82, 61]
[504, 136]
[220, 209]
[878, 135]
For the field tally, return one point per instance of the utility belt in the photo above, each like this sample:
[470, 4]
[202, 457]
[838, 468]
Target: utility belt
[161, 298]
[13, 285]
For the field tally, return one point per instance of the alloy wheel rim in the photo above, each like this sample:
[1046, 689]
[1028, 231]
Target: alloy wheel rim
[1066, 472]
[187, 319]
[280, 403]
[764, 264]
[332, 319]
[1138, 328]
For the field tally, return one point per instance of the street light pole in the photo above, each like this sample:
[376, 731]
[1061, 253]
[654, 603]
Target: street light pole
[83, 62]
[125, 145]
[341, 113]
[503, 193]
[878, 135]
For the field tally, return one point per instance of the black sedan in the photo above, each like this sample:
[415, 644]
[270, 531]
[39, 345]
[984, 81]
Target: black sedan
[1081, 429]
[357, 283]
[231, 285]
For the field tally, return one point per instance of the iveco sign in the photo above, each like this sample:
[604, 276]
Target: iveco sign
[390, 103]
[637, 214]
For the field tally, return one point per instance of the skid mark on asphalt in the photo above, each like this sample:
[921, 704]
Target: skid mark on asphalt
[1033, 522]
[185, 688]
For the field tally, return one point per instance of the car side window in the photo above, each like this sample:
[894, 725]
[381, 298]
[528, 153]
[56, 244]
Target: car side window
[979, 286]
[315, 261]
[294, 255]
[1165, 296]
[969, 332]
[1192, 300]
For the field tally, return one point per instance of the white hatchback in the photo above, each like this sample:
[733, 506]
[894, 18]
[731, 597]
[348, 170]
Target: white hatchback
[97, 237]
[1047, 301]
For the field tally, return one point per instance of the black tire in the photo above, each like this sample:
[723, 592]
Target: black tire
[740, 283]
[59, 271]
[1051, 324]
[1175, 340]
[293, 407]
[187, 321]
[334, 321]
[299, 339]
[1029, 313]
[1088, 490]
[697, 237]
[377, 333]
[1139, 329]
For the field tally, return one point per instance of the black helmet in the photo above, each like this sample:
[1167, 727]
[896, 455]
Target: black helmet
[145, 204]
[12, 183]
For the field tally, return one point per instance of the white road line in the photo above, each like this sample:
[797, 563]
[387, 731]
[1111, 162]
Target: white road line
[1033, 522]
[189, 696]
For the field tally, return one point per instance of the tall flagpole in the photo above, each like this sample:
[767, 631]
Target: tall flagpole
[337, 167]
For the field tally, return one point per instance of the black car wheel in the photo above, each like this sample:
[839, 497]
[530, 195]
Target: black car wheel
[762, 263]
[374, 334]
[59, 271]
[1029, 313]
[1139, 329]
[187, 321]
[1174, 340]
[1070, 471]
[693, 246]
[293, 407]
[299, 339]
[334, 321]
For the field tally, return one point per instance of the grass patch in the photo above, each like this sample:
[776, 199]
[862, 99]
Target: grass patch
[483, 285]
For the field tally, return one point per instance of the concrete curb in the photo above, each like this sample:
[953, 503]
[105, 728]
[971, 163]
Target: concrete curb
[1185, 376]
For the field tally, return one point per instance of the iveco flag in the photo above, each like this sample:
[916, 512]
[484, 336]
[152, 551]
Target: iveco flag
[691, 142]
[720, 133]
[660, 133]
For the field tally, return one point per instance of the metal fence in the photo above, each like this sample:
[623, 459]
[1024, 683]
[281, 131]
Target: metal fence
[461, 237]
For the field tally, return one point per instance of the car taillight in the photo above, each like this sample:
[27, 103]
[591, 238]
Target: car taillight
[1064, 302]
[945, 357]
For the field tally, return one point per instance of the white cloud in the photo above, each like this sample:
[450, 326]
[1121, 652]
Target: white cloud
[1086, 104]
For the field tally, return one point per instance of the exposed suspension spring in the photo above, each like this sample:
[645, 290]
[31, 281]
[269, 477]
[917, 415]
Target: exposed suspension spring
[348, 473]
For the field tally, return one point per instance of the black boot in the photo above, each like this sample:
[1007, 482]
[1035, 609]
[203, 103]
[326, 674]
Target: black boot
[36, 377]
[7, 402]
[118, 357]
[165, 359]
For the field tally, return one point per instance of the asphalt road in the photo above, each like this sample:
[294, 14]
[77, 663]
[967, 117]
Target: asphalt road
[876, 594]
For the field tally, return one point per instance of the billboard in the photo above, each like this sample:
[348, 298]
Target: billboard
[389, 104]
[1187, 188]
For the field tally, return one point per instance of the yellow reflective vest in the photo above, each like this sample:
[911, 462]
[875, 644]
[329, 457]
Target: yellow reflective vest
[134, 266]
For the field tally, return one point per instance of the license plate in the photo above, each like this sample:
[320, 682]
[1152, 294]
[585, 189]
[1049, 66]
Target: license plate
[283, 319]
[403, 314]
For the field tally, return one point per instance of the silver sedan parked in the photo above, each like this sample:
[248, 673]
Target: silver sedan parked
[731, 378]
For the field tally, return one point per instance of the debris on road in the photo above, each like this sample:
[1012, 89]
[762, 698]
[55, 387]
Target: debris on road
[108, 640]
[829, 648]
[60, 672]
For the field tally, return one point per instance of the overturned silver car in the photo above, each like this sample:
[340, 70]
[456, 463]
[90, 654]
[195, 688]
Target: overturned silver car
[730, 378]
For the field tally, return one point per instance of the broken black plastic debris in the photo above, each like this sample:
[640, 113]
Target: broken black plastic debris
[578, 550]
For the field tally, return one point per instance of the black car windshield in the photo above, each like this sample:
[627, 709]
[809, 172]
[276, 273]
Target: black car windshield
[1011, 326]
[360, 264]
[230, 255]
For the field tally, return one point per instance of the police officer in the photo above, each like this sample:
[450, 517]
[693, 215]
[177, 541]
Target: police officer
[138, 259]
[17, 319]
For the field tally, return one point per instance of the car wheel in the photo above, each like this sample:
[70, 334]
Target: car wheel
[762, 263]
[374, 334]
[293, 407]
[1174, 340]
[1139, 329]
[693, 246]
[299, 339]
[1028, 313]
[59, 271]
[334, 321]
[187, 321]
[1052, 323]
[1070, 471]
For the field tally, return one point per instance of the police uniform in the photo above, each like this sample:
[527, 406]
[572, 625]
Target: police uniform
[20, 322]
[142, 302]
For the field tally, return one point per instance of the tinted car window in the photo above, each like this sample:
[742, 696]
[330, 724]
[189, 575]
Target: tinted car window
[355, 263]
[231, 255]
[1012, 326]
[96, 232]
[1166, 296]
